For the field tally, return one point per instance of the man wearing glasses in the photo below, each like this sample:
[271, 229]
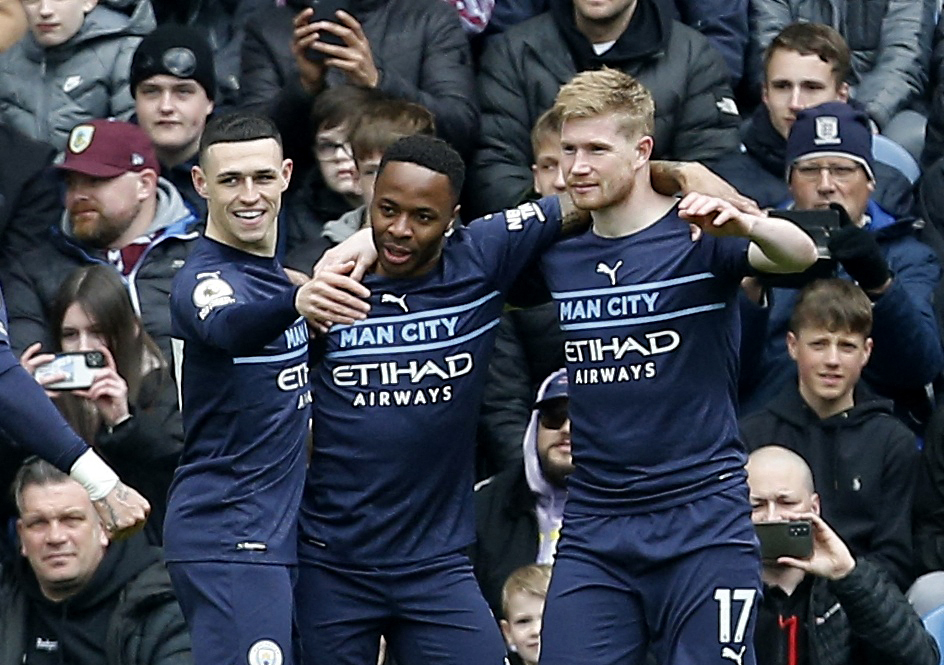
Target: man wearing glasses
[518, 512]
[829, 164]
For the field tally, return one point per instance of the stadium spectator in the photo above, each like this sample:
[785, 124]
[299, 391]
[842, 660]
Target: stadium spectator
[119, 212]
[77, 598]
[864, 460]
[833, 606]
[829, 161]
[174, 87]
[518, 512]
[76, 59]
[129, 412]
[523, 68]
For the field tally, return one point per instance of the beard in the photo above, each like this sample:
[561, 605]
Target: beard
[91, 227]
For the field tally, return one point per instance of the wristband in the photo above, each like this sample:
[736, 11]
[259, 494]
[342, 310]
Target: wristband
[91, 472]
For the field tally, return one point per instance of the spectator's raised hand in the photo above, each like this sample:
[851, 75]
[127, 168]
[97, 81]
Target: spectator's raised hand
[830, 558]
[32, 359]
[304, 36]
[109, 392]
[354, 58]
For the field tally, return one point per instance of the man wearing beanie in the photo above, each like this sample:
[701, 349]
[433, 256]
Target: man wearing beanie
[829, 164]
[118, 211]
[174, 85]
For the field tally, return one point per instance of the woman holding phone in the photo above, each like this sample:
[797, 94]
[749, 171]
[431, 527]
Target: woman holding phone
[128, 411]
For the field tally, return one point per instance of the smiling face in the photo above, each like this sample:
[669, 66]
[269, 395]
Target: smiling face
[411, 210]
[599, 161]
[243, 183]
[522, 625]
[54, 22]
[173, 112]
[61, 536]
[829, 364]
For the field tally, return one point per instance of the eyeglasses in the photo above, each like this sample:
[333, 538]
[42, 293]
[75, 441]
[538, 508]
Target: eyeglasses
[554, 414]
[838, 172]
[329, 150]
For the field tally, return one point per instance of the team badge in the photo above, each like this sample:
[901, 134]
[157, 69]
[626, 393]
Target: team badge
[826, 130]
[81, 138]
[265, 652]
[211, 291]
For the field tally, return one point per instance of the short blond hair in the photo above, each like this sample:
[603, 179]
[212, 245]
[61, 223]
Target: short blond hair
[546, 128]
[533, 578]
[604, 91]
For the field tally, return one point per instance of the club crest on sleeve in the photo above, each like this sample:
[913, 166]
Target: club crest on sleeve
[211, 291]
[265, 652]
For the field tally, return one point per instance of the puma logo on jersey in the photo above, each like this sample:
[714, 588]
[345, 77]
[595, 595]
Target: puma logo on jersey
[604, 269]
[731, 654]
[400, 300]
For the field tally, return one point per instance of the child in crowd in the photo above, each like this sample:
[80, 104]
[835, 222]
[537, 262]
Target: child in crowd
[523, 605]
[71, 67]
[545, 144]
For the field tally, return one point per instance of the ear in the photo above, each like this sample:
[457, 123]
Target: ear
[792, 345]
[643, 151]
[868, 349]
[815, 504]
[763, 93]
[102, 536]
[287, 166]
[199, 181]
[89, 5]
[843, 91]
[506, 631]
[147, 184]
[534, 177]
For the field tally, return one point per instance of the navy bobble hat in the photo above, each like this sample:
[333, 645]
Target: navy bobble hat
[833, 129]
[177, 50]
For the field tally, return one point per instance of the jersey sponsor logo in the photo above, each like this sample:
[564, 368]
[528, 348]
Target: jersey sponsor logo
[604, 269]
[399, 300]
[293, 378]
[211, 291]
[265, 652]
[409, 397]
[392, 373]
[598, 349]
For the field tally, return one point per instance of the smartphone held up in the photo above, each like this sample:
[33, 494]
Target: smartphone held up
[78, 367]
[326, 10]
[792, 538]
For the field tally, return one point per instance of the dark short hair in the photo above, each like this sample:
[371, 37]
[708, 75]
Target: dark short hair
[813, 39]
[384, 121]
[834, 304]
[429, 152]
[237, 127]
[34, 472]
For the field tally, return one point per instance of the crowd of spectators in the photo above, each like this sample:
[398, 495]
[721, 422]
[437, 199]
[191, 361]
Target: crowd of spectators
[815, 105]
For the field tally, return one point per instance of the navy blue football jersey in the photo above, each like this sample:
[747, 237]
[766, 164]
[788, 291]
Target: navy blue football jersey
[396, 400]
[27, 415]
[651, 345]
[241, 354]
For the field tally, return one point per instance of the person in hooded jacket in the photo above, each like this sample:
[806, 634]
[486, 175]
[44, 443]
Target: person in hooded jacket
[74, 597]
[518, 512]
[76, 58]
[119, 212]
[523, 68]
[864, 461]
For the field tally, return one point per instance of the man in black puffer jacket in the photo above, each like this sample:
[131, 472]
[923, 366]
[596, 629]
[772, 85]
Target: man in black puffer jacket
[522, 69]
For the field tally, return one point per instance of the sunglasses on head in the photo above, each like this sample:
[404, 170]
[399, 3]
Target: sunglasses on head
[553, 415]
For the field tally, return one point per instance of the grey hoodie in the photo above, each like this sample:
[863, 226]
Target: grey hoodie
[549, 499]
[45, 92]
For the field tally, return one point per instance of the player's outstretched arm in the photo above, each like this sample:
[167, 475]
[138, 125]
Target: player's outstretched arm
[332, 296]
[777, 245]
[122, 510]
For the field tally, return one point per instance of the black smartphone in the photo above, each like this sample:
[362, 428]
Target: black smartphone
[777, 539]
[78, 366]
[325, 11]
[819, 225]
